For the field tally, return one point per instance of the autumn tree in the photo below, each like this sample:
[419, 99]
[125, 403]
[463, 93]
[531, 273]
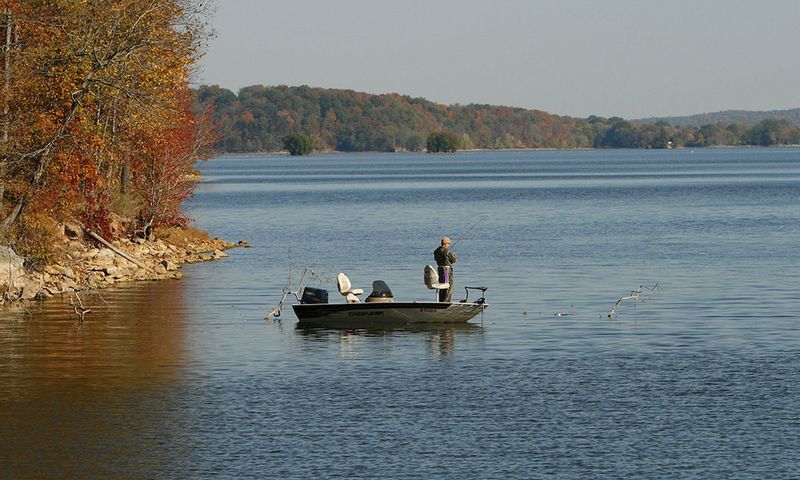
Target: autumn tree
[90, 90]
[164, 166]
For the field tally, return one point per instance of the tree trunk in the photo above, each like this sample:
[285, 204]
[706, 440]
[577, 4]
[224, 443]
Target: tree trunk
[116, 250]
[124, 177]
[6, 89]
[6, 73]
[11, 217]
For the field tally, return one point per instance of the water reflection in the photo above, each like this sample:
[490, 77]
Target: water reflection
[76, 399]
[440, 340]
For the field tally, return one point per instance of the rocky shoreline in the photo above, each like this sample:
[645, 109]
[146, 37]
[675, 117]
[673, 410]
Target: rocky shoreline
[87, 265]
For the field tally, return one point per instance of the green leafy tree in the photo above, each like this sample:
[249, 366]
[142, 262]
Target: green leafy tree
[414, 142]
[443, 142]
[773, 132]
[298, 144]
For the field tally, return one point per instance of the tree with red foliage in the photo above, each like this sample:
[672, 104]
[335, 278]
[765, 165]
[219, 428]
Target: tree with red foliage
[162, 173]
[89, 89]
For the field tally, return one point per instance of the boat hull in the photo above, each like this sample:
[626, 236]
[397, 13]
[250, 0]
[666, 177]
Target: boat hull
[393, 313]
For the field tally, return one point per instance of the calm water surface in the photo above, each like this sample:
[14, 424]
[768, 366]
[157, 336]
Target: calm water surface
[184, 379]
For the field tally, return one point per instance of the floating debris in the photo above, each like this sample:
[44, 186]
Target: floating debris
[638, 295]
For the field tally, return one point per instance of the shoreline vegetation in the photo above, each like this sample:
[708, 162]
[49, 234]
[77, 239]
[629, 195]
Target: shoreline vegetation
[259, 117]
[99, 136]
[478, 150]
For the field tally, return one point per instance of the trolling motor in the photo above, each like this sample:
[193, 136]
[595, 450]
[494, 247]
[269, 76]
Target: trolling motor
[479, 301]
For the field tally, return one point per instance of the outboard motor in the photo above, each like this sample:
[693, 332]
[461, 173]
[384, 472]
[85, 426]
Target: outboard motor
[380, 293]
[314, 295]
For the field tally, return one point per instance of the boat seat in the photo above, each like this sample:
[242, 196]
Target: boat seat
[432, 279]
[346, 288]
[380, 293]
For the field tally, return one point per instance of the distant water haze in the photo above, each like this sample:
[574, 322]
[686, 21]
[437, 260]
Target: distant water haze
[579, 57]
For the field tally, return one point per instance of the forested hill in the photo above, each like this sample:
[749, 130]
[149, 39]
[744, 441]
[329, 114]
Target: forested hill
[746, 117]
[259, 117]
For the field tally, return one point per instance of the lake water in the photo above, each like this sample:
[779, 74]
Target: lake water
[185, 379]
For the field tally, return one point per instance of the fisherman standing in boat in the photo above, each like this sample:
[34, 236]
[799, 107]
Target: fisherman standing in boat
[445, 258]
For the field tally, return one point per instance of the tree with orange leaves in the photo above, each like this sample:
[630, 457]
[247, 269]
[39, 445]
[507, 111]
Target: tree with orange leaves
[94, 93]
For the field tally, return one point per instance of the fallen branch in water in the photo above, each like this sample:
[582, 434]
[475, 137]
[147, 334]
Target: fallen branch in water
[292, 289]
[80, 310]
[638, 295]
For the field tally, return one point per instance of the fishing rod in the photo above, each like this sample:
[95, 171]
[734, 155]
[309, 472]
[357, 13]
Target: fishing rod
[470, 228]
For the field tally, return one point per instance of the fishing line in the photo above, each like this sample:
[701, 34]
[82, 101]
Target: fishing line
[470, 228]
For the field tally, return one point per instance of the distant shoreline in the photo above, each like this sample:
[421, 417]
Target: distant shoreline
[261, 118]
[477, 150]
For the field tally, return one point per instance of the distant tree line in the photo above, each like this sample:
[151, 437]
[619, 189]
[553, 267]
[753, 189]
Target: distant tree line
[259, 118]
[727, 117]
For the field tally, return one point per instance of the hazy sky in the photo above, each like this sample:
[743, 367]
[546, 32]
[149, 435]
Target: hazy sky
[631, 58]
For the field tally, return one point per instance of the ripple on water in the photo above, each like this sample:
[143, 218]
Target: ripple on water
[186, 380]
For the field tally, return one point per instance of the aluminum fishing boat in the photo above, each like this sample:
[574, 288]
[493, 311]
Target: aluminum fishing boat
[333, 314]
[380, 307]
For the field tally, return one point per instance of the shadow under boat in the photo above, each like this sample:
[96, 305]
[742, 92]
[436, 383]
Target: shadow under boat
[378, 330]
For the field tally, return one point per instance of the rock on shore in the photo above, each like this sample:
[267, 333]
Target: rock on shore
[89, 267]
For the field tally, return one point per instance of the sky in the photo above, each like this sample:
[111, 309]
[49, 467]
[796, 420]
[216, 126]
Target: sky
[627, 58]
